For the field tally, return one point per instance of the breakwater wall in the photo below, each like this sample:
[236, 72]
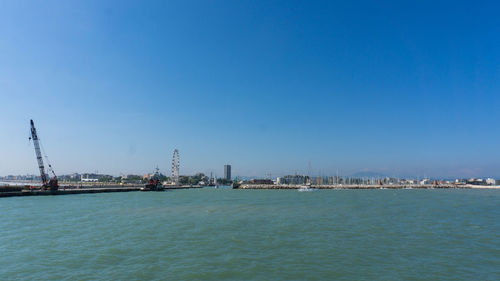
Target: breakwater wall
[11, 188]
[10, 191]
[276, 186]
[65, 191]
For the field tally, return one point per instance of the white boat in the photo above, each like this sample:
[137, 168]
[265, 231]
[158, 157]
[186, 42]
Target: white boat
[306, 188]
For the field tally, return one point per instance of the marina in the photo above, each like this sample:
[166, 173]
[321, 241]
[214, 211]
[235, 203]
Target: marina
[352, 186]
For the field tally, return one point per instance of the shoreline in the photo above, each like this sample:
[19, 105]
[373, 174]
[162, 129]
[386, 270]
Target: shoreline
[19, 191]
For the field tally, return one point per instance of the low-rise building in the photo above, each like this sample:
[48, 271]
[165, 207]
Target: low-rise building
[261, 181]
[425, 181]
[490, 181]
[86, 178]
[474, 181]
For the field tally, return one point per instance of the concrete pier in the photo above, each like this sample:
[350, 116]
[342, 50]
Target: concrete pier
[66, 191]
[19, 191]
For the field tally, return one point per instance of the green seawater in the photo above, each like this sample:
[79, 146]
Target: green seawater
[224, 234]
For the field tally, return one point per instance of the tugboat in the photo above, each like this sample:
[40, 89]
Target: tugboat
[154, 183]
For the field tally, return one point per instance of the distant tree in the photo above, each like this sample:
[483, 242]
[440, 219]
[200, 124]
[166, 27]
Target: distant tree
[197, 178]
[133, 179]
[105, 178]
[224, 181]
[183, 180]
[163, 178]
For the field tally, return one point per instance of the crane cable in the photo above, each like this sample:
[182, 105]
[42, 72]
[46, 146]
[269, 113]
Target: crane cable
[46, 158]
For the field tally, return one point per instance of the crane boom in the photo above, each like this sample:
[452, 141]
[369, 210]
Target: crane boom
[39, 158]
[51, 184]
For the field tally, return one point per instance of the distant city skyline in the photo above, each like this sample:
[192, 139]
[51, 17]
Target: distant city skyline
[320, 173]
[401, 89]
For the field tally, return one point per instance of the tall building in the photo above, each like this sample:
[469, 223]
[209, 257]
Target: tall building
[227, 172]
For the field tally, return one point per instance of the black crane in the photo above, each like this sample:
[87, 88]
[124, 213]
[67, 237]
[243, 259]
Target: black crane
[51, 184]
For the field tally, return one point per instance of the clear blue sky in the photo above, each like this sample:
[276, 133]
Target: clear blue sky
[404, 88]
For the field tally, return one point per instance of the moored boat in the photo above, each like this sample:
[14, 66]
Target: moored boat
[154, 183]
[306, 188]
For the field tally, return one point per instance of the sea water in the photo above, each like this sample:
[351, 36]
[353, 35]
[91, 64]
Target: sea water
[224, 234]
